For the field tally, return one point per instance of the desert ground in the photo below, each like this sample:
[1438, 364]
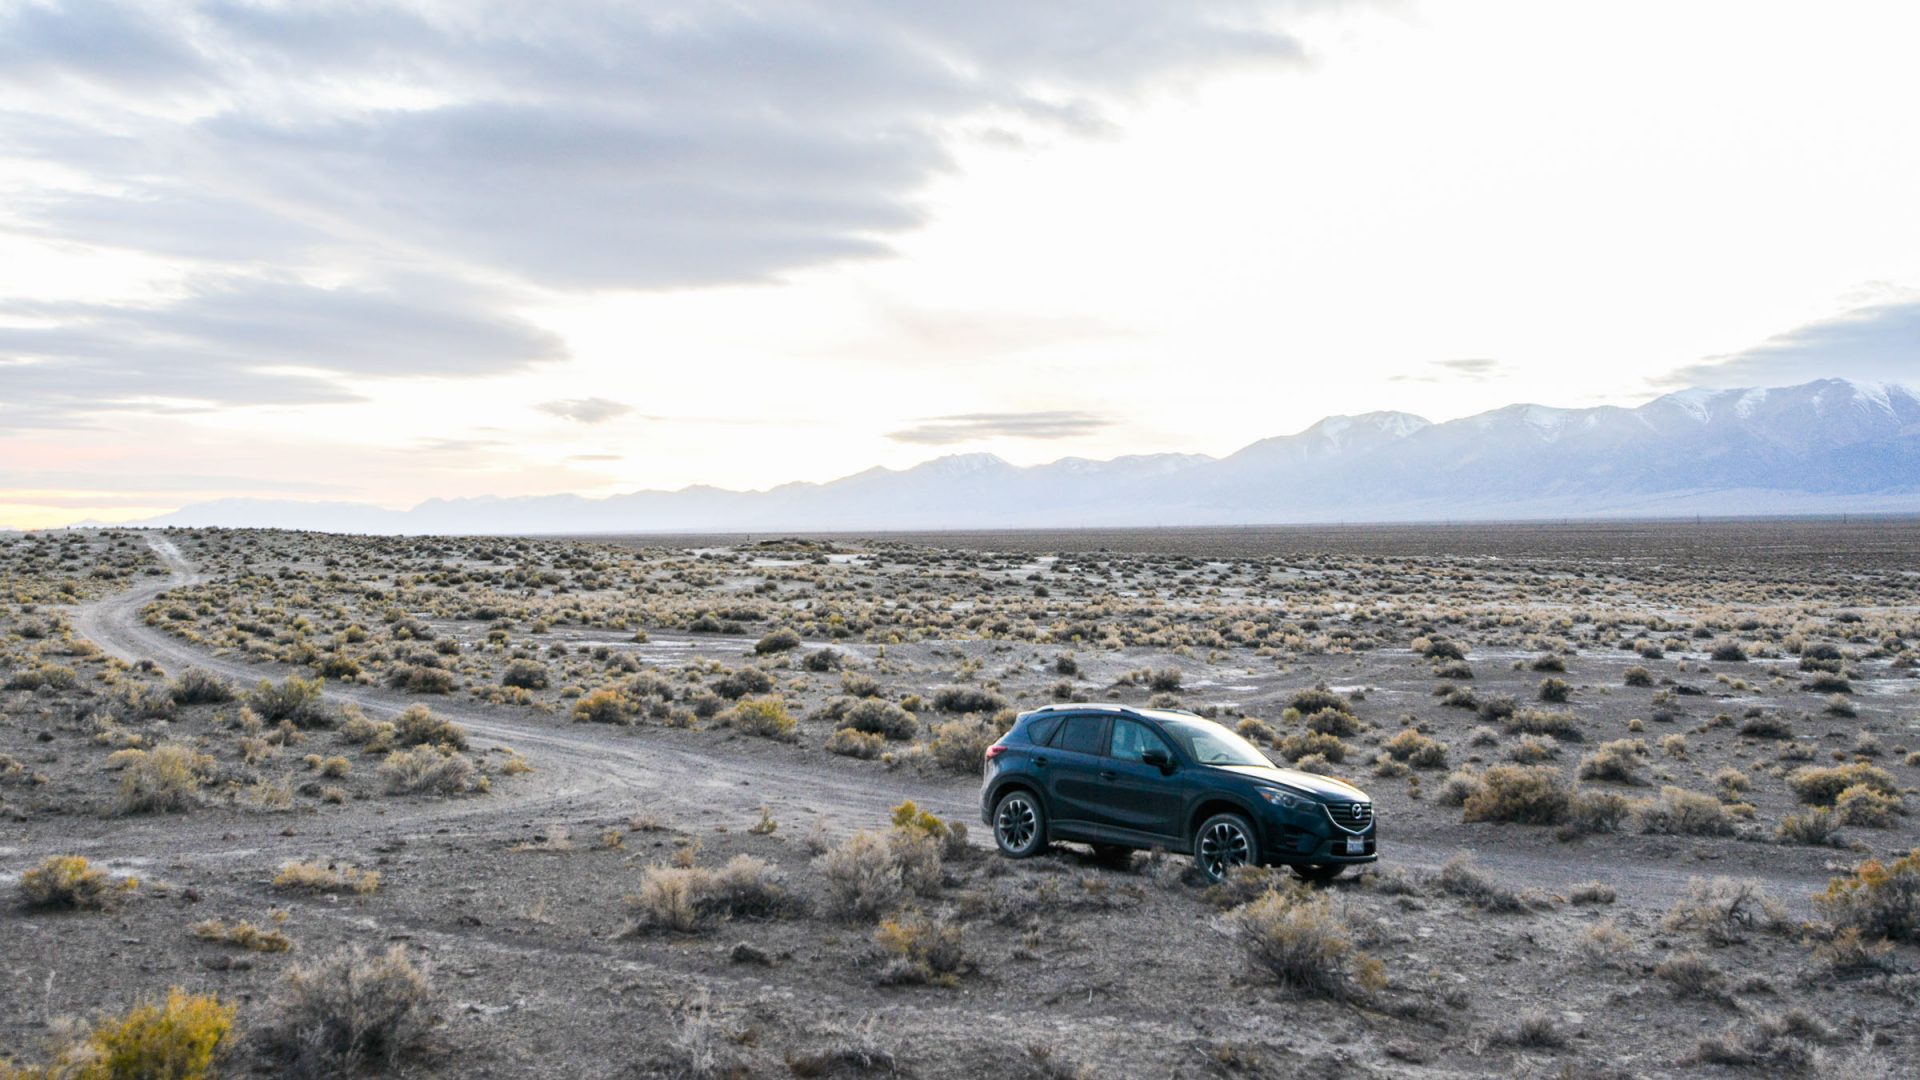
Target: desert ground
[636, 806]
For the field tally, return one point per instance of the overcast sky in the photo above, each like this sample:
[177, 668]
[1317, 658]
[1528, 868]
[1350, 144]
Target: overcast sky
[389, 252]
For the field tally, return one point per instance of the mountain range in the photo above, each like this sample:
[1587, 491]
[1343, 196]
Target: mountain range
[1829, 446]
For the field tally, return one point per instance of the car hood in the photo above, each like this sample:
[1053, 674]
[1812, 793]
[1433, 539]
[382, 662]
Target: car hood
[1323, 787]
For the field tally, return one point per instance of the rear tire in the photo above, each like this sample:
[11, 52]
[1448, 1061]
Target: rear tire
[1223, 842]
[1320, 873]
[1019, 824]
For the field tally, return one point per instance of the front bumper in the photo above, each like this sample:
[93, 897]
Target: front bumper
[1290, 837]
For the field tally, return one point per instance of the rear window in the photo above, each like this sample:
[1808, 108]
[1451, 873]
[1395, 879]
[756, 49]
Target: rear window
[1040, 729]
[1083, 735]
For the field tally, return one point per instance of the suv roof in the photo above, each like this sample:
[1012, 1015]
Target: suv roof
[1114, 707]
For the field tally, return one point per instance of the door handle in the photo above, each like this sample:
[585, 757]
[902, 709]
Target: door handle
[1109, 776]
[1039, 763]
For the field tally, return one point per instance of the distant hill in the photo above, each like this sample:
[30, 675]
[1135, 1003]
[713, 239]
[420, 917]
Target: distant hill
[1829, 446]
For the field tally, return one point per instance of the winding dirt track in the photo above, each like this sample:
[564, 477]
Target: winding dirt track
[588, 772]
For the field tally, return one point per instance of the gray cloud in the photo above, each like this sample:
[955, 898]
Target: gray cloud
[600, 144]
[966, 427]
[250, 341]
[1880, 342]
[590, 410]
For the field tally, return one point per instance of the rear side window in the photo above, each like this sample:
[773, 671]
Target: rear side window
[1041, 729]
[1082, 735]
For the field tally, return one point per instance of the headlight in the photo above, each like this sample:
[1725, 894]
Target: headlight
[1283, 798]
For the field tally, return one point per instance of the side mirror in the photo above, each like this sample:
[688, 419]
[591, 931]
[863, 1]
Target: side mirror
[1158, 758]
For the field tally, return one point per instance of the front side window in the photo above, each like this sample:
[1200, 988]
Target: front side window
[1210, 744]
[1132, 739]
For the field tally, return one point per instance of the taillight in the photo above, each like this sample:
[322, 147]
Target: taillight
[996, 750]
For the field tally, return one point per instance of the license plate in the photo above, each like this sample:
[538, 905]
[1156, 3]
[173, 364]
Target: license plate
[1356, 845]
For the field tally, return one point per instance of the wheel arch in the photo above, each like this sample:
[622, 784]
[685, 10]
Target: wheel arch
[1216, 803]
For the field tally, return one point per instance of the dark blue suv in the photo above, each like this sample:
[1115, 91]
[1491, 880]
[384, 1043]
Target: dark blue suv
[1124, 779]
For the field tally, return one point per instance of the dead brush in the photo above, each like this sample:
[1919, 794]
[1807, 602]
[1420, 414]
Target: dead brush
[1724, 911]
[1304, 944]
[317, 877]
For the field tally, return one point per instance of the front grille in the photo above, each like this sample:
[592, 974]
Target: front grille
[1353, 816]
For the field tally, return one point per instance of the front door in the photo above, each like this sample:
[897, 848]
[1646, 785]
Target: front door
[1134, 795]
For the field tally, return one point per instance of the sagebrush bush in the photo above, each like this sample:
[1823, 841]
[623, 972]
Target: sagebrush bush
[1560, 725]
[347, 1012]
[302, 701]
[876, 717]
[326, 878]
[1617, 762]
[869, 873]
[689, 898]
[1461, 878]
[922, 950]
[603, 706]
[242, 934]
[180, 1037]
[763, 716]
[1679, 812]
[1416, 750]
[421, 679]
[164, 779]
[198, 686]
[71, 882]
[1818, 827]
[1303, 943]
[428, 769]
[1725, 909]
[1822, 787]
[961, 745]
[525, 674]
[776, 642]
[856, 744]
[1879, 899]
[1527, 794]
[1861, 804]
[418, 726]
[967, 699]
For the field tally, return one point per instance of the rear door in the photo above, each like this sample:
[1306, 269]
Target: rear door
[1134, 795]
[1072, 765]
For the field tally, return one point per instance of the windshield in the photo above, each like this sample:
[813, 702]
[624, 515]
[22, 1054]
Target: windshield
[1210, 744]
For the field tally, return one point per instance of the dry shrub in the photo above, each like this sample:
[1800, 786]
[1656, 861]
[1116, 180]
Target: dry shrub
[347, 1012]
[856, 744]
[1592, 892]
[418, 726]
[1535, 1030]
[1690, 975]
[685, 899]
[961, 745]
[1879, 899]
[1416, 750]
[1616, 762]
[1725, 910]
[763, 716]
[603, 706]
[1333, 722]
[1302, 942]
[1818, 827]
[431, 769]
[776, 642]
[181, 1037]
[326, 878]
[967, 699]
[198, 686]
[1527, 794]
[1637, 676]
[300, 700]
[1822, 787]
[243, 934]
[922, 950]
[1560, 725]
[1318, 744]
[1591, 812]
[1679, 812]
[421, 679]
[164, 779]
[70, 882]
[869, 873]
[1460, 878]
[1773, 1042]
[1861, 804]
[873, 716]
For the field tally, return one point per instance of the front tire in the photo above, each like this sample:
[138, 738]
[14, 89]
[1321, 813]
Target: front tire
[1019, 825]
[1223, 842]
